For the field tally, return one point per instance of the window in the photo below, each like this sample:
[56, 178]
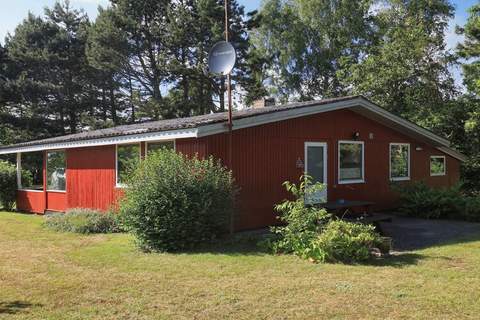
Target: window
[31, 164]
[399, 161]
[56, 173]
[128, 157]
[156, 146]
[437, 166]
[350, 162]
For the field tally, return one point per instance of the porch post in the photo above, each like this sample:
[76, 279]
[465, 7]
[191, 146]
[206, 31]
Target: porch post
[19, 170]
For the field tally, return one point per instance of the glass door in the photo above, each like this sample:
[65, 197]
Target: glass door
[316, 167]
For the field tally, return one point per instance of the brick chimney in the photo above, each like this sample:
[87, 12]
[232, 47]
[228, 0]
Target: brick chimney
[263, 102]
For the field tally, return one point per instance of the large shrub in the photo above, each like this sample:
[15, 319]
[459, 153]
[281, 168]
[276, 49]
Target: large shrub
[8, 184]
[174, 202]
[84, 221]
[421, 201]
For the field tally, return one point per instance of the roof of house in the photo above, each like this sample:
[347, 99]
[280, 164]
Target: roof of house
[203, 125]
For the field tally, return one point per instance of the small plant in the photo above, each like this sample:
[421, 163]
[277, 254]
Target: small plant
[342, 241]
[174, 202]
[84, 221]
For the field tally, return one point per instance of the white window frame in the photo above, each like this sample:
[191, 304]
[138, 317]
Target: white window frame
[444, 173]
[122, 185]
[46, 171]
[362, 143]
[19, 175]
[390, 161]
[159, 141]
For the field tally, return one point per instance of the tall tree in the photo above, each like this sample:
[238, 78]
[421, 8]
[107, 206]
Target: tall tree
[50, 52]
[309, 42]
[406, 70]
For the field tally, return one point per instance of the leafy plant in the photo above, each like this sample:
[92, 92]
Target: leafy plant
[8, 184]
[342, 241]
[420, 200]
[302, 223]
[84, 221]
[174, 202]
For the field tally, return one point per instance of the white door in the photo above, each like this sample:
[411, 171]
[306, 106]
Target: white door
[316, 167]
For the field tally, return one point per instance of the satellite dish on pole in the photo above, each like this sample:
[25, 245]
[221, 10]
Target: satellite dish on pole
[221, 58]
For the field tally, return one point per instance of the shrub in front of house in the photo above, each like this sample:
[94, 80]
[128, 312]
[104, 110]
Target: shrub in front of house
[342, 241]
[173, 202]
[311, 233]
[421, 201]
[85, 221]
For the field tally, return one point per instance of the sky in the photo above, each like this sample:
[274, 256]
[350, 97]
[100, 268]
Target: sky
[12, 12]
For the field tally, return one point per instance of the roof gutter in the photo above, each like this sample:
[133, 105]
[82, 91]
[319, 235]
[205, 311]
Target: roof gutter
[149, 136]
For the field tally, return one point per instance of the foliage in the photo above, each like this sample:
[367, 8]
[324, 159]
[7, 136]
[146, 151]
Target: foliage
[309, 42]
[173, 202]
[342, 241]
[309, 232]
[406, 70]
[470, 50]
[84, 221]
[420, 200]
[302, 222]
[8, 184]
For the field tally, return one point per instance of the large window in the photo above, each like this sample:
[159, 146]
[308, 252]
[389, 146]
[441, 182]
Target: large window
[128, 157]
[437, 166]
[156, 146]
[399, 161]
[56, 171]
[31, 164]
[350, 162]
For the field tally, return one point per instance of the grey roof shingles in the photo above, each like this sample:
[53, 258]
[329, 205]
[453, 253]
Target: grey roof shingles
[173, 124]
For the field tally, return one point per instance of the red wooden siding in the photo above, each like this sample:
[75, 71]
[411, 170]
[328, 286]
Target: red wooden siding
[31, 201]
[265, 156]
[91, 177]
[56, 201]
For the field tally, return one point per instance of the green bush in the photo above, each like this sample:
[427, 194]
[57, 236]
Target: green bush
[8, 184]
[302, 223]
[173, 202]
[342, 241]
[84, 221]
[421, 201]
[310, 232]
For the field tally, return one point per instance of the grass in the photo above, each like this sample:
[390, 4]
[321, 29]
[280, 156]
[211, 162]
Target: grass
[48, 275]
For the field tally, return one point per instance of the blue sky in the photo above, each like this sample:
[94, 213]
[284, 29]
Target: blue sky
[14, 11]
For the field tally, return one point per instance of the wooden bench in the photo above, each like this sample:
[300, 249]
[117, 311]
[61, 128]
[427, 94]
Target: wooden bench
[341, 208]
[344, 210]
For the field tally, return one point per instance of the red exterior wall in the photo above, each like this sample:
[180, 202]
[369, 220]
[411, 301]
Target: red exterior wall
[31, 201]
[263, 158]
[91, 177]
[266, 156]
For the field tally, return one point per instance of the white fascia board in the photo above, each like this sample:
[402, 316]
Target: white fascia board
[279, 115]
[134, 138]
[404, 123]
[453, 153]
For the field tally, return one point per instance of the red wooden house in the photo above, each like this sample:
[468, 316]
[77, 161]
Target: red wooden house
[352, 145]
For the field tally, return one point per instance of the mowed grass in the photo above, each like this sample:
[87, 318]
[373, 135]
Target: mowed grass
[48, 275]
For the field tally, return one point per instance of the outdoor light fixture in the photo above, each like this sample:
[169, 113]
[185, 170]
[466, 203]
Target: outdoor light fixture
[419, 148]
[356, 135]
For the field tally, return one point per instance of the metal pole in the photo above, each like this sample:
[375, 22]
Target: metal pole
[230, 120]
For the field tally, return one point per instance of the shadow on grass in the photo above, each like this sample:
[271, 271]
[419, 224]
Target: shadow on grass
[14, 307]
[234, 246]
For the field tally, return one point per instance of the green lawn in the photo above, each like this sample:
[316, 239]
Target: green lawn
[47, 275]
